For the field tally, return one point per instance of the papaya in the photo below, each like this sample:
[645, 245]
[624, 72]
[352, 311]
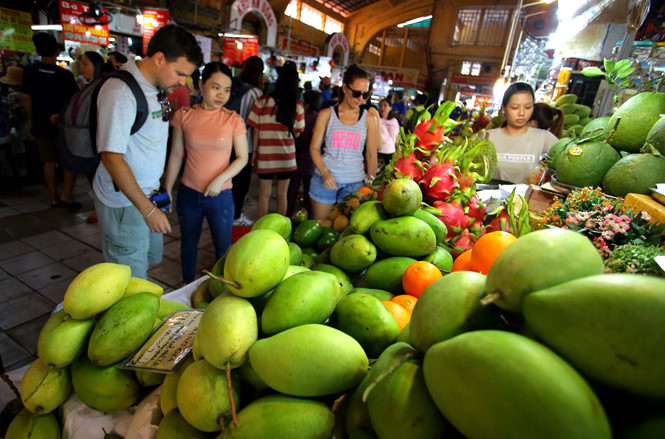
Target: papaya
[275, 222]
[104, 388]
[306, 233]
[203, 395]
[364, 318]
[403, 236]
[401, 197]
[168, 396]
[379, 294]
[387, 274]
[486, 384]
[441, 258]
[174, 426]
[353, 253]
[399, 405]
[95, 289]
[228, 327]
[356, 415]
[438, 227]
[295, 254]
[43, 388]
[137, 285]
[343, 281]
[283, 417]
[28, 425]
[168, 307]
[256, 263]
[308, 297]
[63, 339]
[365, 215]
[605, 326]
[309, 360]
[122, 329]
[539, 260]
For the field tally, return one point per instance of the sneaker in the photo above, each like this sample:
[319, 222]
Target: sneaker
[243, 221]
[249, 201]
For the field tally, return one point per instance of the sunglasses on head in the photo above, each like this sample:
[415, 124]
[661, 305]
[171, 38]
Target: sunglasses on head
[166, 106]
[357, 94]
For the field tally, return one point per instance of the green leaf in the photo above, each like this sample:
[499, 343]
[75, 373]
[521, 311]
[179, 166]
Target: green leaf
[608, 65]
[624, 72]
[592, 71]
[621, 64]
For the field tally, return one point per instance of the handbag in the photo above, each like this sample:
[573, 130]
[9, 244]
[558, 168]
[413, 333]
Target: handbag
[160, 198]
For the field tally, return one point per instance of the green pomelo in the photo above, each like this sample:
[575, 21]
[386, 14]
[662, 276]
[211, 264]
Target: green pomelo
[306, 233]
[575, 129]
[249, 376]
[656, 135]
[353, 253]
[638, 114]
[27, 425]
[497, 385]
[403, 236]
[365, 319]
[566, 99]
[540, 260]
[309, 360]
[275, 222]
[556, 150]
[174, 426]
[63, 339]
[585, 164]
[379, 294]
[256, 263]
[586, 120]
[168, 396]
[95, 289]
[400, 405]
[387, 274]
[367, 214]
[105, 389]
[449, 307]
[356, 415]
[599, 122]
[634, 174]
[402, 196]
[283, 417]
[203, 396]
[607, 327]
[43, 388]
[441, 258]
[343, 281]
[295, 254]
[307, 297]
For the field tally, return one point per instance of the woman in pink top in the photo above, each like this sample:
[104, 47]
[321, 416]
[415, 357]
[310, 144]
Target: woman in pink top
[207, 132]
[389, 131]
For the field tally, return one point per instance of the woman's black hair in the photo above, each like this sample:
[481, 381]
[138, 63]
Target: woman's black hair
[215, 67]
[98, 61]
[252, 72]
[314, 99]
[391, 113]
[286, 95]
[548, 118]
[352, 73]
[518, 87]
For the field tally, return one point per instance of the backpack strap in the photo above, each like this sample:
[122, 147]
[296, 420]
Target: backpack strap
[141, 103]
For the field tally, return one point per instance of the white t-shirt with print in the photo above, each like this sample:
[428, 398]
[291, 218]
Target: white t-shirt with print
[517, 154]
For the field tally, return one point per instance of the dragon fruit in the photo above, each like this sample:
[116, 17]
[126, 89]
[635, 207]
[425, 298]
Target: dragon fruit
[464, 242]
[430, 135]
[500, 223]
[409, 166]
[439, 181]
[452, 215]
[476, 208]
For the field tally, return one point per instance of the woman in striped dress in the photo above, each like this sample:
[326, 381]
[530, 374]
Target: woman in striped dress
[277, 118]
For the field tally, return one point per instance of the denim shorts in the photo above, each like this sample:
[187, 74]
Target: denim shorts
[319, 193]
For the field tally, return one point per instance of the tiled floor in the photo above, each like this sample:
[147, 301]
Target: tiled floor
[43, 249]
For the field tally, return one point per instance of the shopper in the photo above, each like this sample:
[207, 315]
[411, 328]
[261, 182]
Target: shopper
[389, 132]
[348, 132]
[205, 135]
[519, 146]
[277, 118]
[46, 89]
[399, 107]
[116, 60]
[131, 165]
[91, 66]
[412, 115]
[548, 118]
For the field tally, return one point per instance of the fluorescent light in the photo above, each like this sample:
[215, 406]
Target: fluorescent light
[47, 27]
[139, 18]
[415, 20]
[111, 39]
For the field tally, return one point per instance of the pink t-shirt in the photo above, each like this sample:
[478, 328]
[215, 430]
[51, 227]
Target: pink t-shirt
[208, 143]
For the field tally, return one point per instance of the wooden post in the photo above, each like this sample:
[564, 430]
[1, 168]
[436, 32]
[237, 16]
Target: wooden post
[383, 47]
[406, 37]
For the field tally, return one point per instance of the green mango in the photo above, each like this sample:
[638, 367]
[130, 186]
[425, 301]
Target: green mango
[295, 254]
[456, 297]
[105, 389]
[138, 285]
[497, 385]
[356, 415]
[353, 253]
[307, 297]
[405, 335]
[28, 425]
[440, 230]
[361, 434]
[168, 307]
[309, 360]
[307, 232]
[217, 287]
[365, 319]
[95, 289]
[400, 405]
[122, 329]
[203, 395]
[343, 281]
[275, 222]
[149, 379]
[387, 274]
[441, 258]
[196, 351]
[402, 196]
[249, 375]
[228, 327]
[404, 236]
[606, 326]
[256, 263]
[168, 396]
[174, 426]
[63, 339]
[365, 215]
[326, 240]
[201, 295]
[43, 388]
[283, 417]
[308, 261]
[324, 256]
[294, 269]
[379, 294]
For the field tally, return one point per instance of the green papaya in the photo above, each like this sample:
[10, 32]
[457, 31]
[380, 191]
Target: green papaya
[343, 281]
[63, 339]
[168, 396]
[403, 236]
[387, 274]
[174, 426]
[353, 253]
[95, 289]
[275, 222]
[43, 388]
[401, 197]
[440, 230]
[365, 215]
[104, 388]
[28, 425]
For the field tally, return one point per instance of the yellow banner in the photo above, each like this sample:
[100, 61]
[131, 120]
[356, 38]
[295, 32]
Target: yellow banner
[15, 31]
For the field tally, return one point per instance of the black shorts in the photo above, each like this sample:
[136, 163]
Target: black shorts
[280, 175]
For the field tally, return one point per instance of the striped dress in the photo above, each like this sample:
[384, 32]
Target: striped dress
[276, 149]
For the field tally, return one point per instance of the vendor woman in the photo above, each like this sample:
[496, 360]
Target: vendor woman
[519, 146]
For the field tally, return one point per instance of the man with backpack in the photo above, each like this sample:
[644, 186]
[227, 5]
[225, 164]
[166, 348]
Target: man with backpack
[132, 164]
[411, 118]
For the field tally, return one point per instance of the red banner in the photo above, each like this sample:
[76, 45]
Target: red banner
[238, 49]
[298, 47]
[153, 19]
[74, 30]
[480, 80]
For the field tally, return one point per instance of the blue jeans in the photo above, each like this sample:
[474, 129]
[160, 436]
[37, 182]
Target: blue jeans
[319, 193]
[192, 206]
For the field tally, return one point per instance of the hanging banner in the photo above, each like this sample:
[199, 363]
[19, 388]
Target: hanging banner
[74, 30]
[340, 40]
[206, 47]
[296, 46]
[15, 31]
[400, 77]
[237, 49]
[240, 8]
[126, 24]
[153, 19]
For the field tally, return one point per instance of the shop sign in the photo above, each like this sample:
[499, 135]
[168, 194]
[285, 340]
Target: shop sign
[401, 78]
[153, 19]
[74, 30]
[339, 39]
[480, 80]
[125, 24]
[15, 31]
[240, 8]
[297, 47]
[238, 49]
[206, 47]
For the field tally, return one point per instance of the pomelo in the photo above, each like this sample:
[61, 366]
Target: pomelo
[656, 136]
[556, 149]
[599, 122]
[635, 173]
[638, 114]
[585, 164]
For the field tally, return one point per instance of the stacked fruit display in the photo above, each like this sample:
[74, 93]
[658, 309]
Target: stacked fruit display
[575, 116]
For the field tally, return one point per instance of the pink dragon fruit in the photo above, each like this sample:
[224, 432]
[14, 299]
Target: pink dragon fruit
[439, 181]
[476, 208]
[500, 223]
[464, 242]
[430, 135]
[452, 215]
[409, 166]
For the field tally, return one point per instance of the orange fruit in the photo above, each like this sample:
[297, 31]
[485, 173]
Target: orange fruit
[419, 276]
[462, 263]
[365, 190]
[487, 248]
[401, 315]
[406, 300]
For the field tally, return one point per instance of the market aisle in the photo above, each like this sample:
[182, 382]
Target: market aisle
[43, 249]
